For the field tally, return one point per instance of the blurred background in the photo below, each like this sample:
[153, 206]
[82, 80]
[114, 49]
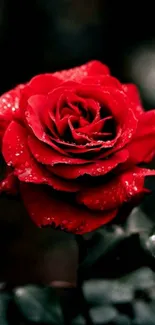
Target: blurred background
[114, 266]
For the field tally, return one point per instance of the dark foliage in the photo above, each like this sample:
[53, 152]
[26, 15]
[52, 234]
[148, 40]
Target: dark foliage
[116, 279]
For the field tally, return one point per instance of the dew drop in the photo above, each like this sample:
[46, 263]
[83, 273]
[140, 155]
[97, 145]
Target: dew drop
[26, 173]
[48, 218]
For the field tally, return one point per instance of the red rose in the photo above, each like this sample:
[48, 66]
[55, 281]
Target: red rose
[75, 144]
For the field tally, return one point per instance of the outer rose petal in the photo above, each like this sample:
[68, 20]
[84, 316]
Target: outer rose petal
[142, 147]
[102, 80]
[9, 107]
[43, 83]
[46, 211]
[133, 94]
[9, 184]
[116, 192]
[16, 153]
[92, 68]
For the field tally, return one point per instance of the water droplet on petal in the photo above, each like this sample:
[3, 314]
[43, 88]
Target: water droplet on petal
[26, 173]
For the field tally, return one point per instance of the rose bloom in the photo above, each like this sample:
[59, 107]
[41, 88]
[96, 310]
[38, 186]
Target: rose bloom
[73, 142]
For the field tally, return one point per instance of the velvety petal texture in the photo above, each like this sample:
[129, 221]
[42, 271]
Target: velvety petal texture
[45, 210]
[9, 108]
[73, 142]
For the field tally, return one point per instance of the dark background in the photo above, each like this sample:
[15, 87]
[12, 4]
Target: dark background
[45, 36]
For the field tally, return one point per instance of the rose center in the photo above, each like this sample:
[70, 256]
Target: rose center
[109, 127]
[84, 121]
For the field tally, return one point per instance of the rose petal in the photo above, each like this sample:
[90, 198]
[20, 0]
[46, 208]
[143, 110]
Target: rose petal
[44, 83]
[9, 184]
[81, 150]
[128, 129]
[73, 101]
[9, 107]
[45, 155]
[91, 68]
[142, 147]
[94, 127]
[34, 121]
[90, 146]
[128, 132]
[121, 189]
[102, 80]
[78, 138]
[62, 125]
[93, 107]
[62, 97]
[16, 153]
[39, 103]
[133, 94]
[39, 85]
[45, 210]
[97, 168]
[109, 97]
